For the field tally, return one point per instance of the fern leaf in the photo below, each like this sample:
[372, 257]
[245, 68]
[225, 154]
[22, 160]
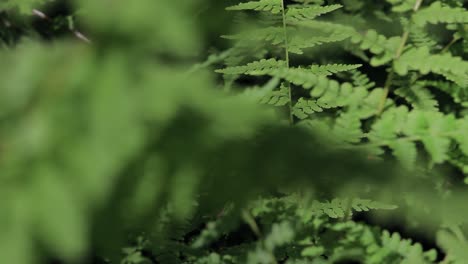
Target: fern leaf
[456, 249]
[261, 67]
[309, 13]
[421, 60]
[277, 98]
[386, 131]
[377, 44]
[348, 128]
[325, 27]
[409, 251]
[439, 13]
[420, 38]
[405, 152]
[330, 69]
[419, 97]
[366, 107]
[303, 108]
[361, 80]
[400, 6]
[274, 35]
[336, 94]
[273, 6]
[432, 127]
[457, 92]
[360, 205]
[338, 208]
[298, 43]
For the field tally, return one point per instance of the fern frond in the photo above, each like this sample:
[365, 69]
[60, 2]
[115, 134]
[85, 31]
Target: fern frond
[338, 208]
[387, 130]
[348, 128]
[419, 97]
[361, 80]
[396, 128]
[298, 43]
[330, 69]
[332, 93]
[384, 48]
[298, 76]
[273, 6]
[420, 38]
[405, 152]
[420, 59]
[439, 13]
[306, 78]
[361, 205]
[408, 251]
[261, 67]
[400, 6]
[274, 35]
[308, 13]
[455, 247]
[303, 108]
[277, 98]
[357, 99]
[325, 27]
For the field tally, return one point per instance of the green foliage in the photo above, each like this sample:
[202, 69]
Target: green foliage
[332, 117]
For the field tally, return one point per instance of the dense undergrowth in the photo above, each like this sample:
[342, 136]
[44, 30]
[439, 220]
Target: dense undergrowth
[313, 131]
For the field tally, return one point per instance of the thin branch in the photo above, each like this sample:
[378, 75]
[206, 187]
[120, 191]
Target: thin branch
[76, 33]
[399, 52]
[449, 45]
[286, 55]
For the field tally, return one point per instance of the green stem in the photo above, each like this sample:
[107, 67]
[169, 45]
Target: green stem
[250, 220]
[349, 210]
[391, 74]
[446, 48]
[458, 233]
[286, 55]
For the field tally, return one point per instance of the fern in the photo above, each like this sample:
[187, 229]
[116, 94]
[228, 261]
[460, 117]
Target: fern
[419, 97]
[272, 6]
[307, 13]
[262, 67]
[277, 98]
[432, 128]
[338, 208]
[303, 108]
[440, 13]
[458, 93]
[383, 48]
[452, 68]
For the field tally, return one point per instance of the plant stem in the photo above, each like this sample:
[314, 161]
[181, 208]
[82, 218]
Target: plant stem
[391, 74]
[250, 220]
[417, 5]
[77, 33]
[286, 55]
[456, 230]
[446, 48]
